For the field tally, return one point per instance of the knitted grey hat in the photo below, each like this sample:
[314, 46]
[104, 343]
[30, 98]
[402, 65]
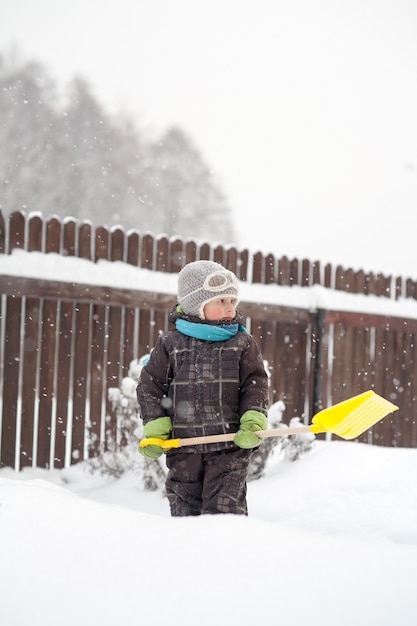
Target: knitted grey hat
[201, 282]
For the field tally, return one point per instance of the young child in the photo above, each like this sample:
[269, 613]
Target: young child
[205, 377]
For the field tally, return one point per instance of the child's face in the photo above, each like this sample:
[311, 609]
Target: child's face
[223, 308]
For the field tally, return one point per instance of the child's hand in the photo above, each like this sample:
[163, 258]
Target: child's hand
[250, 422]
[161, 428]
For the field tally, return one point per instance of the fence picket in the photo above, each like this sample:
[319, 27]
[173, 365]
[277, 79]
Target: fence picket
[316, 273]
[47, 393]
[17, 228]
[35, 234]
[30, 366]
[257, 273]
[81, 377]
[162, 254]
[69, 238]
[133, 242]
[190, 251]
[205, 252]
[269, 269]
[147, 252]
[176, 255]
[219, 255]
[11, 382]
[97, 378]
[64, 370]
[117, 245]
[283, 277]
[2, 234]
[294, 272]
[85, 241]
[53, 235]
[305, 273]
[101, 243]
[243, 265]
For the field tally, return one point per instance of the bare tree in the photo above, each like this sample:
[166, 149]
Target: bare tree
[77, 161]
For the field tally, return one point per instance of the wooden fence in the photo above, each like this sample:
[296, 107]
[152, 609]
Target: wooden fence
[64, 344]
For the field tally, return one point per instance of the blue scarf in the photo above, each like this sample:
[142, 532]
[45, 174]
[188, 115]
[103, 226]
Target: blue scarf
[207, 332]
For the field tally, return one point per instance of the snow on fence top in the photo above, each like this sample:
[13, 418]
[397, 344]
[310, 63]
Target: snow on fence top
[121, 275]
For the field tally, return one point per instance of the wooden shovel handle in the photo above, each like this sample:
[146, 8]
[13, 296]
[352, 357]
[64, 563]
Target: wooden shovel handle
[195, 441]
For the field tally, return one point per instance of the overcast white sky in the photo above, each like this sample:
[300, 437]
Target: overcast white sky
[305, 110]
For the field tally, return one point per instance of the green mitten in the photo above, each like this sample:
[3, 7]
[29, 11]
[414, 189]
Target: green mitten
[151, 452]
[249, 422]
[161, 428]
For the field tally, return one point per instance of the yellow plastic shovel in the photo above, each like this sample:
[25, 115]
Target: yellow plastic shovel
[347, 419]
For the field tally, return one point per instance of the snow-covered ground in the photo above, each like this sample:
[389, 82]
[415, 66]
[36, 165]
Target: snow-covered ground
[330, 540]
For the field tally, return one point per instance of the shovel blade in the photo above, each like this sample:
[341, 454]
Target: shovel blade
[350, 418]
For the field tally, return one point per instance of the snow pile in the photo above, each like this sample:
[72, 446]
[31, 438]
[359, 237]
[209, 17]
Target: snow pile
[330, 539]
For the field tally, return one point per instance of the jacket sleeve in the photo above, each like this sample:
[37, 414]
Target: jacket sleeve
[154, 383]
[254, 392]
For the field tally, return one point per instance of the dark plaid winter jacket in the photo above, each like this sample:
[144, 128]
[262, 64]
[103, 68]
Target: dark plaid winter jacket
[204, 386]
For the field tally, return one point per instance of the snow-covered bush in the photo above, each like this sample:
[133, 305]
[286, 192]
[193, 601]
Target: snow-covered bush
[261, 455]
[292, 446]
[296, 445]
[119, 454]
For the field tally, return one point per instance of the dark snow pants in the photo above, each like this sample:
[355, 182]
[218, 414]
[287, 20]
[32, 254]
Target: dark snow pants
[208, 482]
